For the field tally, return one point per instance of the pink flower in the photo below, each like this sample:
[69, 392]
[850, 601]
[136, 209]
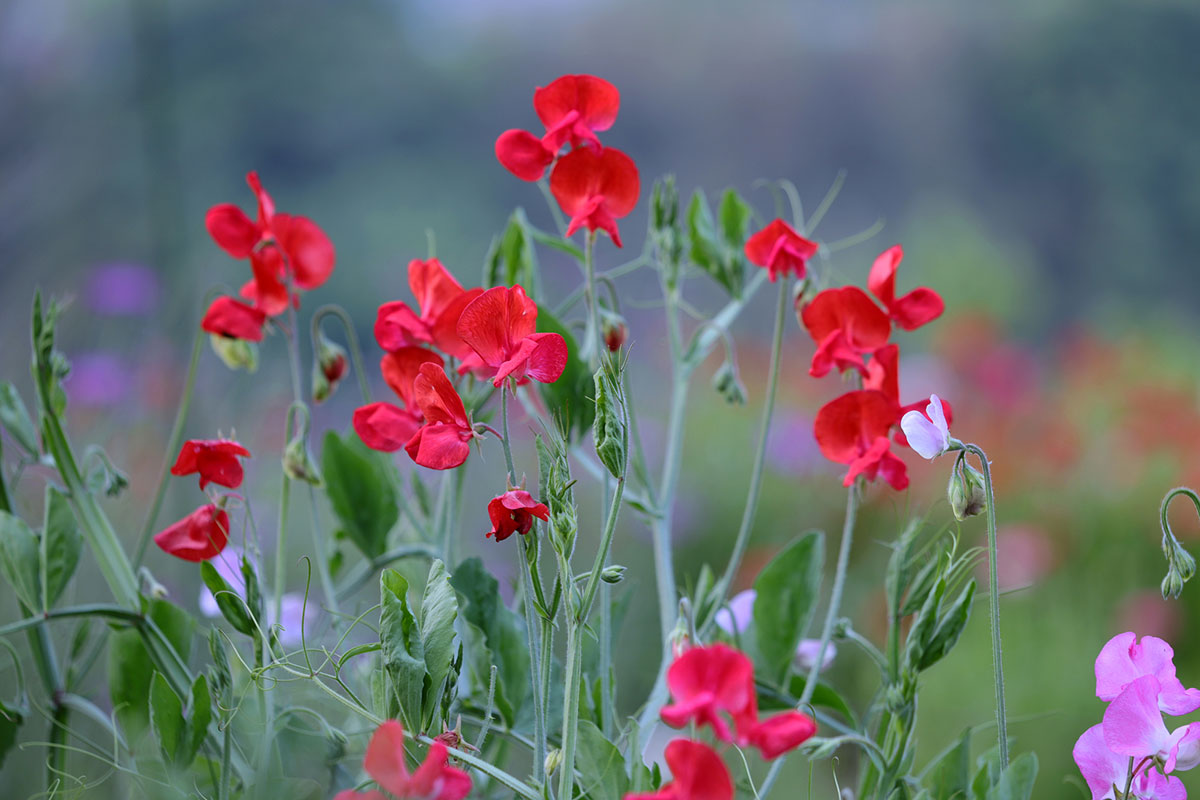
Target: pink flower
[1102, 769]
[1133, 727]
[1124, 660]
[513, 512]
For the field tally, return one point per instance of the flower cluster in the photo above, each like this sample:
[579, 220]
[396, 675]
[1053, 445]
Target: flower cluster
[384, 761]
[594, 185]
[286, 252]
[1131, 753]
[204, 533]
[852, 333]
[491, 333]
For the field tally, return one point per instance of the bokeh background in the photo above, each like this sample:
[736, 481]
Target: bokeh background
[1039, 160]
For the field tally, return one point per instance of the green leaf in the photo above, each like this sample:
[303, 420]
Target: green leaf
[166, 718]
[734, 215]
[600, 764]
[402, 647]
[511, 258]
[199, 715]
[787, 590]
[1016, 782]
[15, 419]
[9, 723]
[950, 776]
[719, 251]
[231, 605]
[439, 609]
[362, 496]
[61, 545]
[569, 397]
[553, 241]
[19, 560]
[949, 628]
[130, 669]
[921, 632]
[824, 696]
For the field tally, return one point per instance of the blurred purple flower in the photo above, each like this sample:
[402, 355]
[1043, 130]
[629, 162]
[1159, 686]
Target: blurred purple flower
[97, 379]
[792, 448]
[123, 289]
[292, 615]
[739, 613]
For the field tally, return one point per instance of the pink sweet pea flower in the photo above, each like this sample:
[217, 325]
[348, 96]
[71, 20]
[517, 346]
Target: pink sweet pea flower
[1102, 769]
[513, 512]
[927, 433]
[441, 300]
[1123, 660]
[384, 761]
[1134, 728]
[443, 442]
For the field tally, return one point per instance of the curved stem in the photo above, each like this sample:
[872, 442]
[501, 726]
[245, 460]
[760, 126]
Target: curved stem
[760, 457]
[994, 603]
[356, 357]
[172, 449]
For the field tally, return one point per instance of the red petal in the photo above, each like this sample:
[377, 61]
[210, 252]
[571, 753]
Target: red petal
[435, 396]
[523, 154]
[882, 279]
[849, 425]
[835, 351]
[236, 320]
[309, 251]
[199, 536]
[385, 427]
[585, 174]
[780, 249]
[698, 772]
[266, 206]
[883, 373]
[232, 230]
[848, 309]
[400, 369]
[918, 307]
[596, 100]
[384, 760]
[397, 325]
[444, 329]
[495, 322]
[267, 290]
[438, 447]
[434, 287]
[782, 733]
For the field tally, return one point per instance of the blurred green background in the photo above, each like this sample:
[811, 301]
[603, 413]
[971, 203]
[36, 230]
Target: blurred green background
[1040, 162]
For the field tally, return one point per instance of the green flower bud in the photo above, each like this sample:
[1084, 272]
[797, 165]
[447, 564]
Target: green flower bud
[966, 492]
[553, 760]
[609, 428]
[236, 353]
[729, 384]
[298, 463]
[613, 574]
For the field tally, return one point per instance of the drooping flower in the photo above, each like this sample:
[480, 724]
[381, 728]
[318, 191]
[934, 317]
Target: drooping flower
[1133, 727]
[1102, 769]
[384, 761]
[501, 327]
[385, 426]
[697, 773]
[853, 429]
[513, 512]
[781, 250]
[1124, 659]
[197, 537]
[440, 298]
[595, 187]
[443, 442]
[846, 325]
[927, 433]
[914, 309]
[215, 459]
[234, 320]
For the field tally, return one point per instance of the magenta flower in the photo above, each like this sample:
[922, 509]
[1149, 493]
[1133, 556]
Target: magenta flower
[1123, 660]
[1133, 728]
[1102, 769]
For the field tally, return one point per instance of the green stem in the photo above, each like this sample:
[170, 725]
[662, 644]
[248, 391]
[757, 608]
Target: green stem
[994, 604]
[321, 551]
[5, 500]
[760, 457]
[356, 357]
[594, 345]
[560, 221]
[173, 443]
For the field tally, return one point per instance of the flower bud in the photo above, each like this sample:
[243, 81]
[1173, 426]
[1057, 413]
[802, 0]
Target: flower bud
[298, 463]
[729, 384]
[151, 587]
[609, 428]
[613, 574]
[1172, 584]
[329, 368]
[553, 760]
[321, 387]
[614, 330]
[236, 353]
[966, 491]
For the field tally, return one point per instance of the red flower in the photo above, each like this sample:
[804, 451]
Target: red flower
[513, 512]
[199, 536]
[780, 249]
[853, 429]
[781, 733]
[845, 324]
[215, 459]
[697, 772]
[441, 299]
[500, 326]
[523, 154]
[443, 441]
[914, 309]
[705, 681]
[384, 761]
[387, 427]
[574, 107]
[595, 187]
[234, 320]
[883, 373]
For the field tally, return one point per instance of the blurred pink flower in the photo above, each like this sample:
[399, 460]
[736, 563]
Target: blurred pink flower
[1025, 556]
[97, 379]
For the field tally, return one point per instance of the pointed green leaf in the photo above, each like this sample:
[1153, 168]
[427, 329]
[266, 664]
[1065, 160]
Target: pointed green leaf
[231, 605]
[166, 718]
[600, 764]
[15, 419]
[130, 669]
[503, 632]
[61, 545]
[439, 609]
[403, 650]
[787, 590]
[950, 776]
[362, 496]
[511, 258]
[199, 715]
[735, 215]
[1016, 782]
[19, 560]
[949, 628]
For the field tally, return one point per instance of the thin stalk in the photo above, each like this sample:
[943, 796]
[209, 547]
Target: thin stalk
[356, 357]
[172, 450]
[994, 604]
[327, 588]
[560, 221]
[293, 342]
[594, 344]
[760, 457]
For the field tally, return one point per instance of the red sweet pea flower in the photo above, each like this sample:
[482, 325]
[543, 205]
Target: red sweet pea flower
[441, 299]
[698, 773]
[443, 441]
[845, 324]
[574, 107]
[781, 733]
[233, 231]
[215, 459]
[595, 187]
[781, 250]
[883, 373]
[707, 680]
[914, 309]
[523, 154]
[501, 327]
[199, 536]
[387, 427]
[513, 512]
[384, 761]
[853, 429]
[234, 320]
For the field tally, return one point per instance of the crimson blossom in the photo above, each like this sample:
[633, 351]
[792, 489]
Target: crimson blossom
[595, 188]
[853, 429]
[914, 309]
[501, 327]
[443, 442]
[513, 512]
[846, 325]
[697, 773]
[215, 459]
[234, 320]
[384, 761]
[197, 537]
[781, 250]
[386, 426]
[441, 300]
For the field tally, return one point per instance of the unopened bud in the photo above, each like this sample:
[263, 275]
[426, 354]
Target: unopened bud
[298, 463]
[330, 367]
[236, 353]
[729, 384]
[613, 574]
[151, 587]
[609, 431]
[966, 491]
[614, 330]
[1172, 584]
[553, 760]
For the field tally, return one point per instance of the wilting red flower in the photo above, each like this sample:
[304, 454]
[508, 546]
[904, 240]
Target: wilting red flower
[845, 324]
[513, 512]
[279, 246]
[501, 327]
[443, 442]
[697, 773]
[441, 299]
[914, 309]
[883, 373]
[705, 681]
[781, 250]
[572, 108]
[387, 427]
[215, 459]
[384, 761]
[234, 320]
[595, 187]
[853, 429]
[199, 536]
